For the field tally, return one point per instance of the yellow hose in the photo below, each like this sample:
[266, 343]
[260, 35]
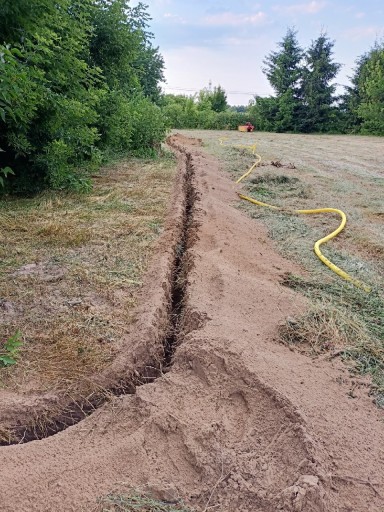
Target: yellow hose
[316, 248]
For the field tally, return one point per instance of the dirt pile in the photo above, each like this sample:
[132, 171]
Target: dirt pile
[238, 422]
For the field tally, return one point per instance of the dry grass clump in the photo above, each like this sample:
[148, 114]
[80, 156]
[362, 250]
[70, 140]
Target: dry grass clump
[372, 247]
[343, 321]
[325, 327]
[137, 502]
[6, 436]
[70, 269]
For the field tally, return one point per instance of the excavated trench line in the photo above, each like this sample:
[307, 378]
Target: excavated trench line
[78, 410]
[241, 423]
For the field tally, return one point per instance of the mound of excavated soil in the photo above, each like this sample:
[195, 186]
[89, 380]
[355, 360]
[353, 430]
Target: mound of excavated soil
[238, 422]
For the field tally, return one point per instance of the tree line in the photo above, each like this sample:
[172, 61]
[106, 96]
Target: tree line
[208, 109]
[79, 82]
[305, 98]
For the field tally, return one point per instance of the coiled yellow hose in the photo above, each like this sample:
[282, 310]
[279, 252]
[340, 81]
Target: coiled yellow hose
[316, 248]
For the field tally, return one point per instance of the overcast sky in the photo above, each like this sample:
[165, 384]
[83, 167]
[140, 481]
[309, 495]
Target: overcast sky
[225, 41]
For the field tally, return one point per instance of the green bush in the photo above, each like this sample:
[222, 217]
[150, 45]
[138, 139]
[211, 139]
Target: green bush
[72, 85]
[115, 122]
[149, 127]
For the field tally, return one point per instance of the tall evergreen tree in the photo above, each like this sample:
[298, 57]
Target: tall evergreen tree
[283, 70]
[318, 93]
[282, 67]
[350, 121]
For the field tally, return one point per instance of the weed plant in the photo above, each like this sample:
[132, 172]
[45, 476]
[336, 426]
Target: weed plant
[9, 350]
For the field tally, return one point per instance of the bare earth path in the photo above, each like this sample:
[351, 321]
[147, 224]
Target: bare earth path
[240, 422]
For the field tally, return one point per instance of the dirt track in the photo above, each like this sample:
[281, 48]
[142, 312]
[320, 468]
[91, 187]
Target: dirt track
[239, 421]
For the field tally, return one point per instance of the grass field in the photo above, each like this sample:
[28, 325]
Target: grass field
[315, 171]
[70, 269]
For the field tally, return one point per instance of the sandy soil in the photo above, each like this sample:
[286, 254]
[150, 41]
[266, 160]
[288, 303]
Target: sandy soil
[239, 422]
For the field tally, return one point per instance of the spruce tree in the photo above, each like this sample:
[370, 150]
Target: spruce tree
[318, 92]
[283, 70]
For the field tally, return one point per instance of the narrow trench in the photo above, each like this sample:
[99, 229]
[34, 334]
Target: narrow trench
[180, 271]
[77, 411]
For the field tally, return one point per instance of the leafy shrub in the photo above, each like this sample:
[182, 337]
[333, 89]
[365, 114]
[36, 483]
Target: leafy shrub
[149, 127]
[115, 122]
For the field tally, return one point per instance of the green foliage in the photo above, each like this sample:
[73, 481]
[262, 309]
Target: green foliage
[22, 17]
[215, 100]
[121, 46]
[115, 122]
[188, 112]
[349, 119]
[9, 350]
[362, 106]
[218, 99]
[113, 44]
[132, 124]
[305, 98]
[302, 81]
[282, 67]
[5, 172]
[238, 108]
[60, 63]
[149, 126]
[265, 111]
[371, 83]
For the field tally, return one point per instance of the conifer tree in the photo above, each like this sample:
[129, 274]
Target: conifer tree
[318, 91]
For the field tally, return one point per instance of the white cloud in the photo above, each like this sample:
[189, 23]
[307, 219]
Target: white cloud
[175, 18]
[360, 15]
[235, 20]
[367, 32]
[305, 8]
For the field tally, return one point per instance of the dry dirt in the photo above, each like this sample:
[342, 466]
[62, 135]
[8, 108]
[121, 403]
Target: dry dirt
[238, 422]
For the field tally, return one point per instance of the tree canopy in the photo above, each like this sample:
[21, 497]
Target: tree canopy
[77, 80]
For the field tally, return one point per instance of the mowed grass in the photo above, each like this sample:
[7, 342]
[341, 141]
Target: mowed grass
[313, 171]
[70, 269]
